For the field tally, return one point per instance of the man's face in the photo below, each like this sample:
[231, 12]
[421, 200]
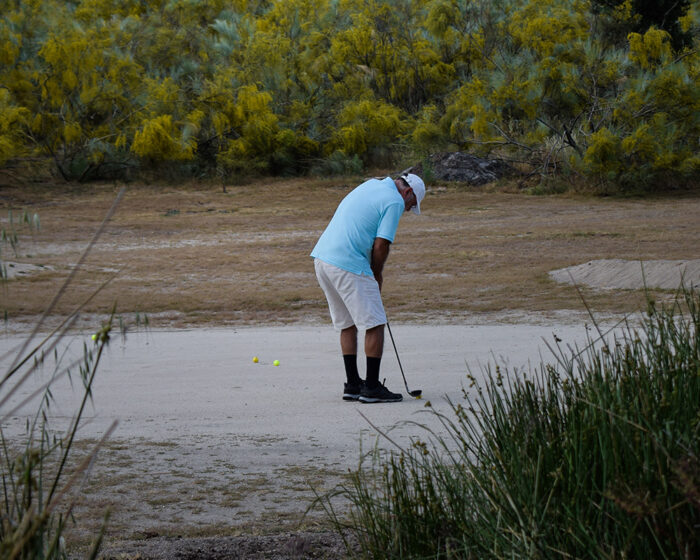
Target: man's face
[409, 199]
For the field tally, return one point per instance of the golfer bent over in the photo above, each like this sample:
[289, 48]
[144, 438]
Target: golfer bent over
[349, 258]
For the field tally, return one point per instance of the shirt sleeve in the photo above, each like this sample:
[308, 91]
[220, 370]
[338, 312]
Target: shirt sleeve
[390, 222]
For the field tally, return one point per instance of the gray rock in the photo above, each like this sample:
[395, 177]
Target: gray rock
[464, 168]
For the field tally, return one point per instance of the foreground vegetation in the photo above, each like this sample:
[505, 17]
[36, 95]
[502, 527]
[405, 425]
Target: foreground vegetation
[41, 479]
[596, 456]
[603, 90]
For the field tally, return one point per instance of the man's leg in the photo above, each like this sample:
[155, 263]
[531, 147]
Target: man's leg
[348, 340]
[328, 278]
[373, 391]
[374, 347]
[348, 346]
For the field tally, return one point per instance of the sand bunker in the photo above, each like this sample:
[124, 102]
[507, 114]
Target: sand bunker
[621, 274]
[15, 270]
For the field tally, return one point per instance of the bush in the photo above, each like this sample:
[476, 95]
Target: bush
[366, 129]
[338, 163]
[107, 91]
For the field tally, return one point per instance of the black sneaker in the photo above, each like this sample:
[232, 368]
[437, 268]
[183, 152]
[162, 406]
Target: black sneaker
[378, 394]
[352, 391]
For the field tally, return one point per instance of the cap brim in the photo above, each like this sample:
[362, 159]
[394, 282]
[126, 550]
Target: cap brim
[416, 209]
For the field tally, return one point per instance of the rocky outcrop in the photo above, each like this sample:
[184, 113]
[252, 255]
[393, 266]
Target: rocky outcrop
[463, 167]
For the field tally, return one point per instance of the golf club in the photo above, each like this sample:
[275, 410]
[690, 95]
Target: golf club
[417, 392]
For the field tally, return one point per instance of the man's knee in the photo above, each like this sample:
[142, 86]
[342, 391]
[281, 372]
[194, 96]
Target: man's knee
[374, 341]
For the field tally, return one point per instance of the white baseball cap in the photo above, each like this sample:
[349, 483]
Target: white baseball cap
[418, 186]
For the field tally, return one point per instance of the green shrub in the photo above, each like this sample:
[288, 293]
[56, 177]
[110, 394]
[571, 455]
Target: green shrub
[338, 163]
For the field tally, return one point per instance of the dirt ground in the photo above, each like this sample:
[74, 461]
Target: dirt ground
[296, 545]
[212, 256]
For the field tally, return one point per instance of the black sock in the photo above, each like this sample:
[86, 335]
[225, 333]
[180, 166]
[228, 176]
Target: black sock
[373, 371]
[351, 368]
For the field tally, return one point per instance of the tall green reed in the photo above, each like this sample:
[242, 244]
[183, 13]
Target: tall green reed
[40, 482]
[595, 455]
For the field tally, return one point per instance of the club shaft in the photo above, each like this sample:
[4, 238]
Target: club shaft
[397, 355]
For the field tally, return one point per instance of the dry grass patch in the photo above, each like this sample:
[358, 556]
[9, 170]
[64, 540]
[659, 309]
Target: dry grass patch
[202, 254]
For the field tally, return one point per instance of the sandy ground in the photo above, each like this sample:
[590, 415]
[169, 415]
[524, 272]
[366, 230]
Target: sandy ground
[209, 442]
[620, 274]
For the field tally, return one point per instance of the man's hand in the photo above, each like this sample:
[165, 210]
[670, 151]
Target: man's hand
[379, 279]
[380, 252]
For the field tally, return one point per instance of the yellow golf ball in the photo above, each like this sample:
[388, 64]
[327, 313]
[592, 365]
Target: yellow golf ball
[276, 363]
[255, 359]
[94, 337]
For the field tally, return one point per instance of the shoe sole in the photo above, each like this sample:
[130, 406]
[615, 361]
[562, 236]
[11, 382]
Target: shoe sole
[371, 400]
[351, 397]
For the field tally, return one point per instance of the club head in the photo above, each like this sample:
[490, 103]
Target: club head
[416, 394]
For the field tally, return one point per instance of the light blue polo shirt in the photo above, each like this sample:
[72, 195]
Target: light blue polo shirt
[371, 210]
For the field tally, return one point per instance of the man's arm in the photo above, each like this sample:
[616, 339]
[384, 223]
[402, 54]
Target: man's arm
[380, 252]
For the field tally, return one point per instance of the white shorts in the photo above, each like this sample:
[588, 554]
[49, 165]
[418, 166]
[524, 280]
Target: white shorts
[353, 299]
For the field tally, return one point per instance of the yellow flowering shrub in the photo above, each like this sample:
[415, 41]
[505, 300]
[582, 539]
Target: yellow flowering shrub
[11, 118]
[227, 85]
[365, 125]
[160, 140]
[603, 155]
[650, 49]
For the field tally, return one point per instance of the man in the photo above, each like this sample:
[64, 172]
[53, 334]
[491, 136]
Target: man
[349, 258]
